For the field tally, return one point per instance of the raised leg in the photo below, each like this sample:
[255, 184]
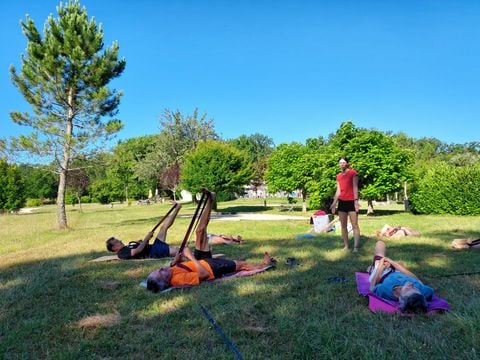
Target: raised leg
[162, 233]
[201, 241]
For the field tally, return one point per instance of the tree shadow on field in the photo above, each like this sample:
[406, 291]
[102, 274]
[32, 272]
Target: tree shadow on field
[453, 234]
[244, 209]
[381, 212]
[291, 310]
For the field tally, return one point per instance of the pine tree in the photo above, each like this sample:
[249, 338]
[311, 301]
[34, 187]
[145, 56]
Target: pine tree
[64, 77]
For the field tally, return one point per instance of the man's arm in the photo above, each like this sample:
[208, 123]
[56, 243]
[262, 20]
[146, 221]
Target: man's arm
[378, 274]
[142, 245]
[401, 268]
[203, 273]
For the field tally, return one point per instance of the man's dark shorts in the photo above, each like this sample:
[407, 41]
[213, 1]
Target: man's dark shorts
[159, 249]
[346, 205]
[221, 267]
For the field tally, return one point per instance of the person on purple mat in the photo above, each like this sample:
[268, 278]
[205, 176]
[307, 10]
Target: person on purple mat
[392, 281]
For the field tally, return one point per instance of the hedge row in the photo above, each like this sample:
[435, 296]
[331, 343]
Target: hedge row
[446, 189]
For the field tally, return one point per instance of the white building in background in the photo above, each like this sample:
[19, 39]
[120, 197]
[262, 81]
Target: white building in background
[186, 196]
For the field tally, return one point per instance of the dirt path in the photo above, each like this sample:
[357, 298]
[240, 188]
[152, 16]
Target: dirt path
[250, 216]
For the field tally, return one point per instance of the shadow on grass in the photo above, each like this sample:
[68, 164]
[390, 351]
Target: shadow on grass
[454, 234]
[381, 212]
[292, 311]
[243, 209]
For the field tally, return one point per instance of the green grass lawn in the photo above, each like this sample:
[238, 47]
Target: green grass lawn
[57, 305]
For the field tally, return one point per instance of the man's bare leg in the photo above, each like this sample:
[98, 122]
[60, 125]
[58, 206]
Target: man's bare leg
[201, 241]
[245, 266]
[225, 240]
[162, 233]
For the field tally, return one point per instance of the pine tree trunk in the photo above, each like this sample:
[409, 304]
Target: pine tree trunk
[62, 183]
[61, 213]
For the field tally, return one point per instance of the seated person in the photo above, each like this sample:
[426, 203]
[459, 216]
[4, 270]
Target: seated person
[214, 239]
[200, 265]
[392, 281]
[142, 249]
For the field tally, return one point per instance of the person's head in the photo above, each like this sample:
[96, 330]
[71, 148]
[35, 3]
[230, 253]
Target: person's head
[113, 244]
[411, 300]
[159, 280]
[343, 163]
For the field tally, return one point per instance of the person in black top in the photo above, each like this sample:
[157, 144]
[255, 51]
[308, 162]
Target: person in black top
[142, 249]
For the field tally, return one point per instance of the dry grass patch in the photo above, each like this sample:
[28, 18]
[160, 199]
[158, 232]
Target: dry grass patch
[96, 321]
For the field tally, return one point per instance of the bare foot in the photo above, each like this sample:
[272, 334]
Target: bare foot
[355, 250]
[267, 259]
[345, 248]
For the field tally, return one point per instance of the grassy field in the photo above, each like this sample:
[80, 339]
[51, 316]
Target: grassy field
[55, 304]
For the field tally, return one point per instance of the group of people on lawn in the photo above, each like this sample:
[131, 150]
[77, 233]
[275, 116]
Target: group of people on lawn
[388, 279]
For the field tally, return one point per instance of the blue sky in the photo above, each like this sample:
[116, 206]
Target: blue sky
[286, 69]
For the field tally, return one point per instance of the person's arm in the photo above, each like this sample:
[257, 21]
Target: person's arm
[142, 245]
[401, 268]
[203, 273]
[333, 207]
[355, 193]
[378, 274]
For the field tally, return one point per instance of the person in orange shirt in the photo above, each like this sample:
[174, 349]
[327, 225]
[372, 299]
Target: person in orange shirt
[200, 265]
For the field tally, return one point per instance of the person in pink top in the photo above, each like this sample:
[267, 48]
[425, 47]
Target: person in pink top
[346, 197]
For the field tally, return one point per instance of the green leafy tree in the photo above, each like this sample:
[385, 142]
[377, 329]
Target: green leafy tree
[179, 134]
[258, 147]
[382, 165]
[290, 168]
[218, 166]
[11, 187]
[39, 182]
[64, 77]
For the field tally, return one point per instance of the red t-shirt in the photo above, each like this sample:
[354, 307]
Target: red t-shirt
[345, 180]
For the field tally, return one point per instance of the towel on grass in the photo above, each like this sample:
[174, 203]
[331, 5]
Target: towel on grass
[226, 277]
[376, 303]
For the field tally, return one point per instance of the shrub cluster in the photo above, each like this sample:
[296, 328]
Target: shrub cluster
[446, 189]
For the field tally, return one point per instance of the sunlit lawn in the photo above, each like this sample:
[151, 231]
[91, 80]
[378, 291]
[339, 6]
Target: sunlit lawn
[52, 299]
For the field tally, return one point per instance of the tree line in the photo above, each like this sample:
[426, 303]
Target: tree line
[65, 75]
[189, 154]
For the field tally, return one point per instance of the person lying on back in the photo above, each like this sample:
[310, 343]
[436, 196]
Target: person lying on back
[200, 265]
[392, 281]
[143, 249]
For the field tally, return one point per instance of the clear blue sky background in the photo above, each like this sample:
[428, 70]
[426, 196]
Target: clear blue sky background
[287, 69]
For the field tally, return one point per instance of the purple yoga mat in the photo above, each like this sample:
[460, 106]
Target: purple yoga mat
[376, 303]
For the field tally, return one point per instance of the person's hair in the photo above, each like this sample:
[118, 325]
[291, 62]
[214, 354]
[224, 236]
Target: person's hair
[156, 285]
[109, 243]
[415, 303]
[344, 158]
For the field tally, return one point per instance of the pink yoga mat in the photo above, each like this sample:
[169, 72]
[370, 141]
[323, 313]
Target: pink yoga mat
[376, 303]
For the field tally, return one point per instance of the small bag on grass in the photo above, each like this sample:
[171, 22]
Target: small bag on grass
[466, 244]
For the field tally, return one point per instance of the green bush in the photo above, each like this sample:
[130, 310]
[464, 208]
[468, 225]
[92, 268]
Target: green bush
[85, 199]
[446, 189]
[33, 202]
